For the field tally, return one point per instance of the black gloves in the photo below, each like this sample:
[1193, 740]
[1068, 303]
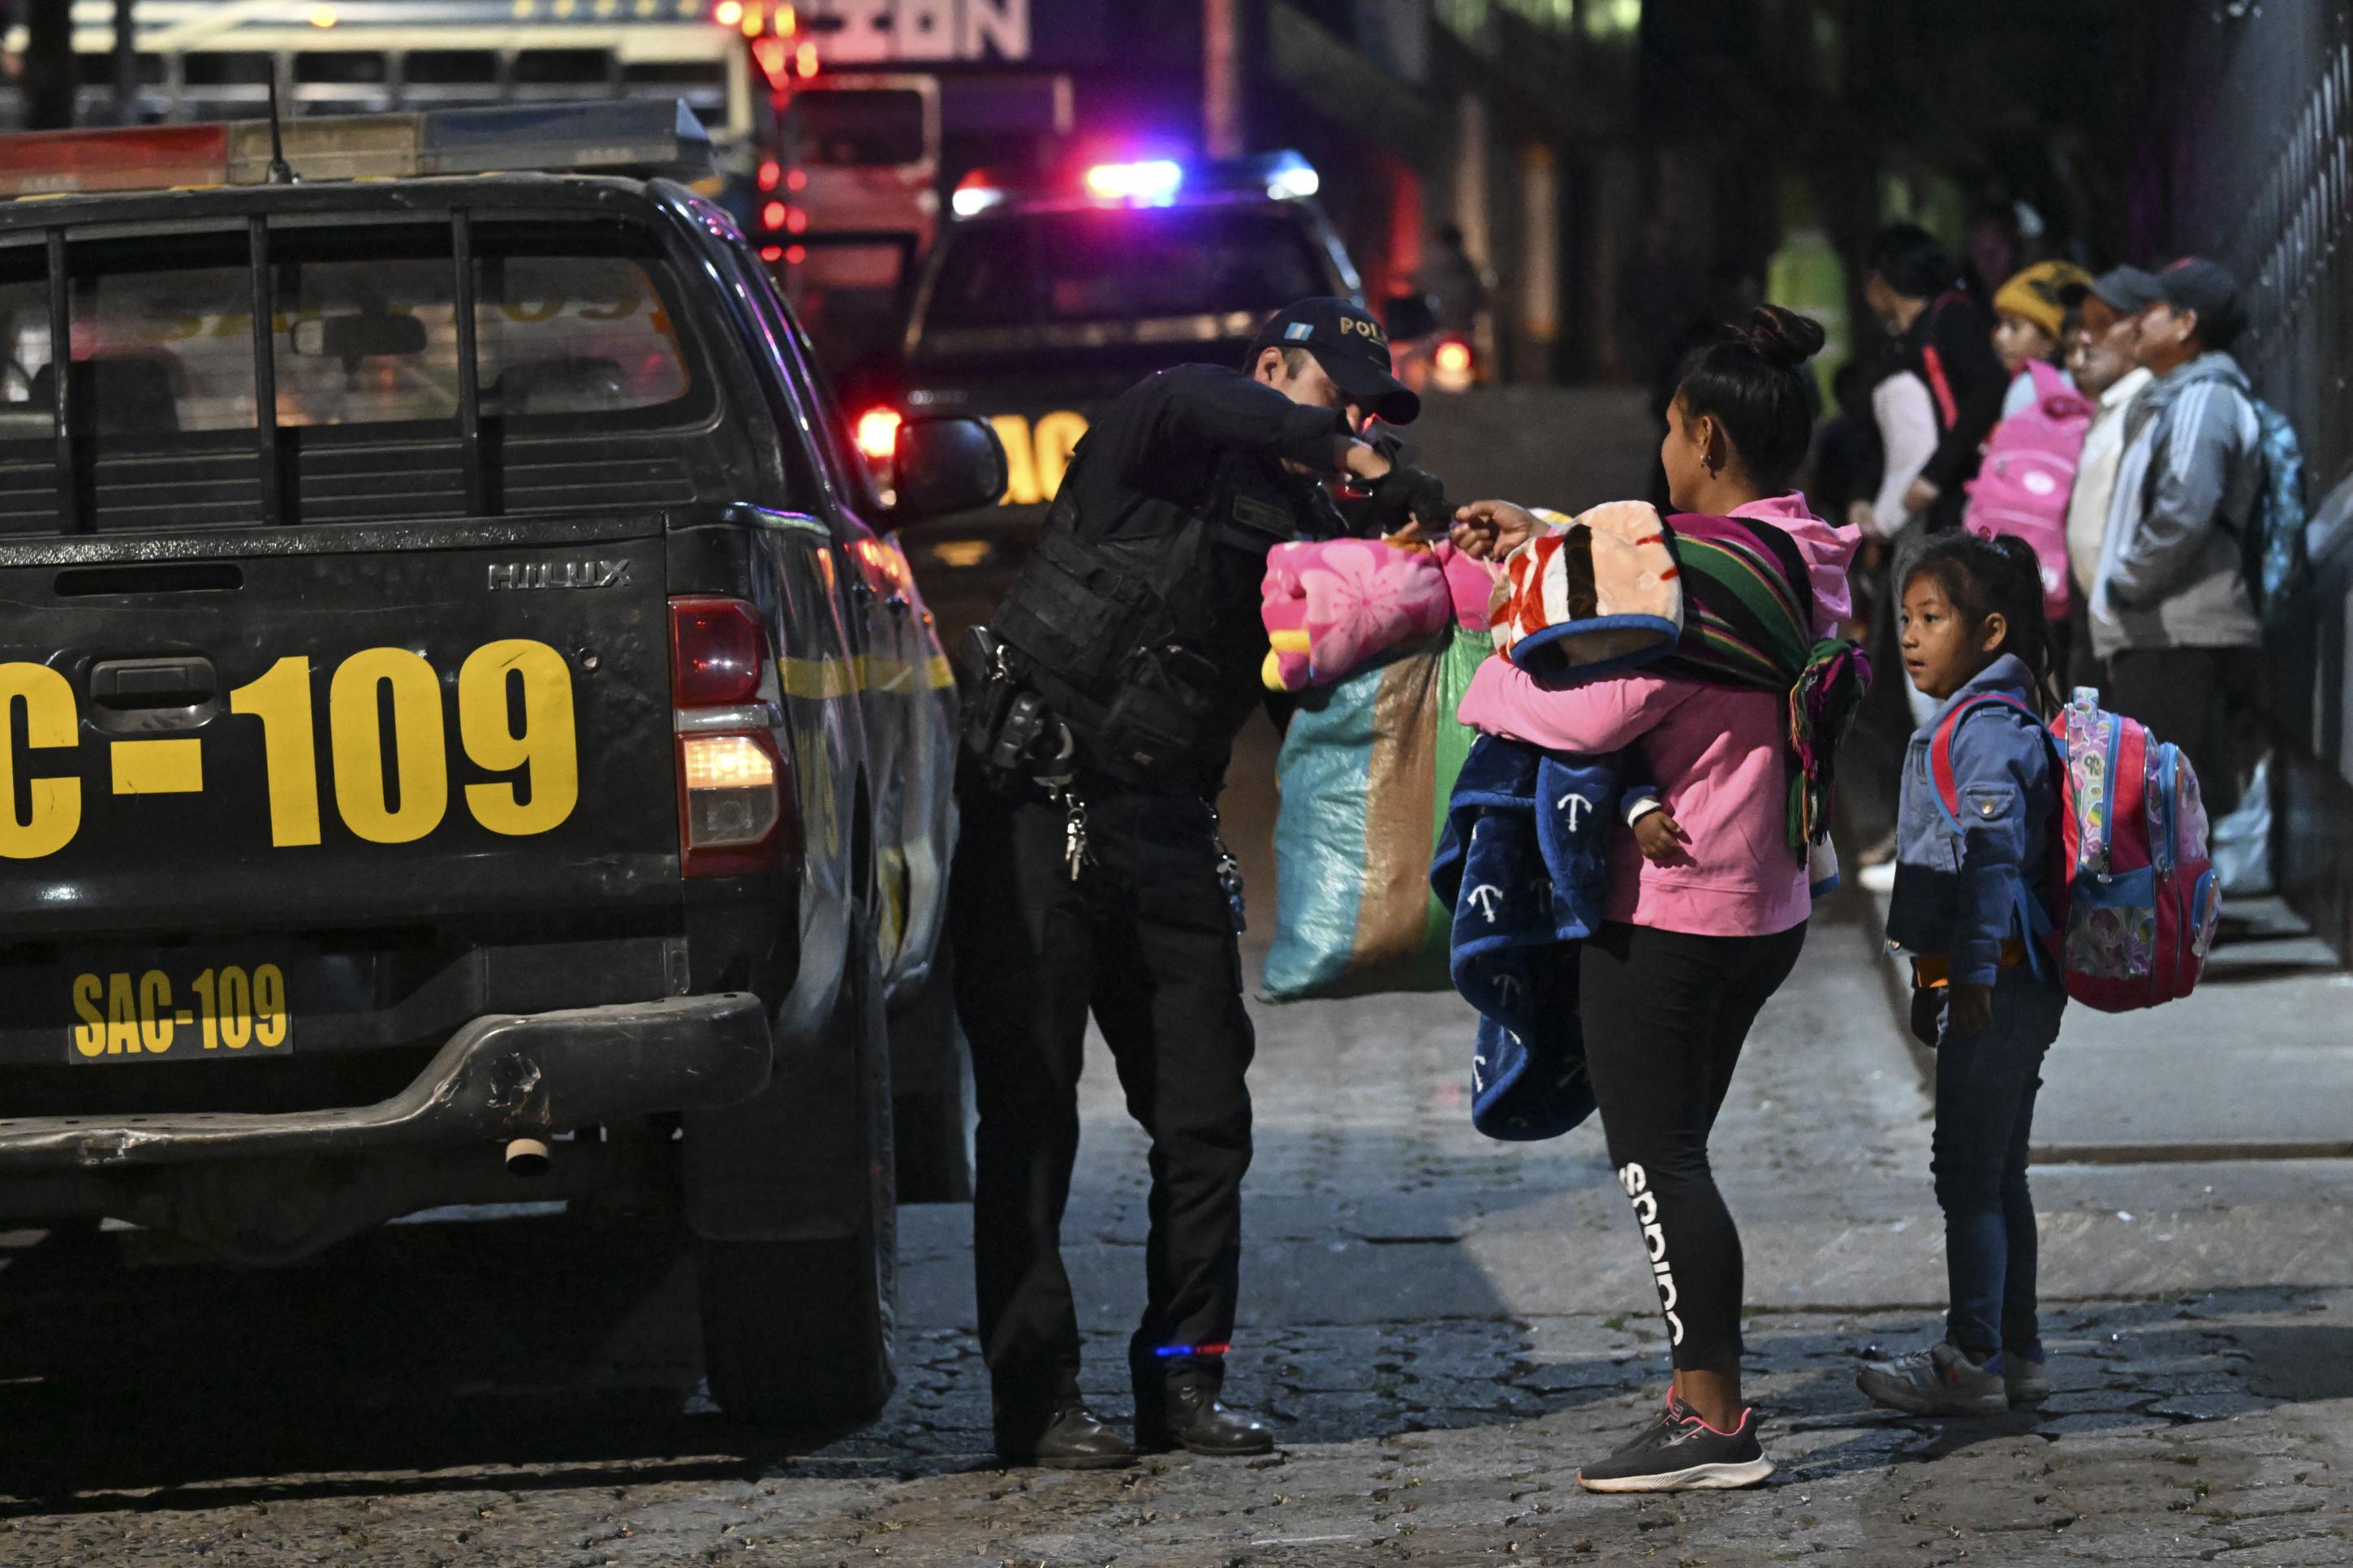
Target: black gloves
[1406, 495]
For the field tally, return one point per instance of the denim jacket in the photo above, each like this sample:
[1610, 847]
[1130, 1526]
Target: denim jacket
[1962, 893]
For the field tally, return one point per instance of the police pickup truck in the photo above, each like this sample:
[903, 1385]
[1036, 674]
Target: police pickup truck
[1040, 305]
[465, 715]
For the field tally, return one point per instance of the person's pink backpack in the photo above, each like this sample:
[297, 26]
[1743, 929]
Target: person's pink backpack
[2138, 898]
[2029, 472]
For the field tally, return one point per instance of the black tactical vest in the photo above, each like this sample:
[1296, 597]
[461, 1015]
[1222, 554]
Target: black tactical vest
[1144, 637]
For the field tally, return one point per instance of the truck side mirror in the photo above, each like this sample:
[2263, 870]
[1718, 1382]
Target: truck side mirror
[946, 464]
[1408, 316]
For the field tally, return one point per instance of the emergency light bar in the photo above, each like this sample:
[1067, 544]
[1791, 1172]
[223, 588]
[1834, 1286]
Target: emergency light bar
[1153, 181]
[646, 139]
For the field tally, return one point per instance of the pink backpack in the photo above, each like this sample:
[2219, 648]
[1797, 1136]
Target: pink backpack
[2029, 472]
[2138, 898]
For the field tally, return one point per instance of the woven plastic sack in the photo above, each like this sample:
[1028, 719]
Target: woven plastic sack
[1365, 770]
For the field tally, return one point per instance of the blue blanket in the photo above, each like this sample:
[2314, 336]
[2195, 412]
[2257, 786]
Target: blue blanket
[1522, 864]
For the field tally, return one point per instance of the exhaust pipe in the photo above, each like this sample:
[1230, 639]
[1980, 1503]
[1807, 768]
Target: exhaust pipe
[527, 1157]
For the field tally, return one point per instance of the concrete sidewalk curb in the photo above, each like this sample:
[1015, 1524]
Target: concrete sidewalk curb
[1897, 975]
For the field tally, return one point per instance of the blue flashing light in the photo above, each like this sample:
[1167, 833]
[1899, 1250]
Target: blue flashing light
[1153, 183]
[1291, 178]
[1167, 1351]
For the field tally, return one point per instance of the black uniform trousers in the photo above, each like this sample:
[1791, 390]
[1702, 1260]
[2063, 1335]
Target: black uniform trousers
[1143, 940]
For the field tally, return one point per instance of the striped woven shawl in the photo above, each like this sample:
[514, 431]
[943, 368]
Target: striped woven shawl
[1749, 619]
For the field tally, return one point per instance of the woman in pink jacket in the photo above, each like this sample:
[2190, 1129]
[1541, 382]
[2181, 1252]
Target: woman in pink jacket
[1693, 946]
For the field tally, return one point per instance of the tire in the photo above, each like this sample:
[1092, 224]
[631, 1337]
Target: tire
[797, 1334]
[932, 1076]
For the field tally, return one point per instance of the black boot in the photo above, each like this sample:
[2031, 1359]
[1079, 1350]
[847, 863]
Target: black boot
[1064, 1436]
[1189, 1415]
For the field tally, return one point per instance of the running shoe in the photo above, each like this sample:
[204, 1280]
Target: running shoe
[1680, 1452]
[2026, 1375]
[1938, 1381]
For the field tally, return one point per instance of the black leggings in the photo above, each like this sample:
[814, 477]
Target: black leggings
[1665, 1014]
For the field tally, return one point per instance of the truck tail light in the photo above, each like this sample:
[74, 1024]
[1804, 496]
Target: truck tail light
[878, 433]
[717, 650]
[735, 795]
[1453, 364]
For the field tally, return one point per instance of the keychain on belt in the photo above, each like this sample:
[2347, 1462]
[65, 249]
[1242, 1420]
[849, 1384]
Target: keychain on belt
[1057, 782]
[1230, 874]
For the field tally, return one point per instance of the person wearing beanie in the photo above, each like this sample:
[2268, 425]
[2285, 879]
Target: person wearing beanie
[2030, 314]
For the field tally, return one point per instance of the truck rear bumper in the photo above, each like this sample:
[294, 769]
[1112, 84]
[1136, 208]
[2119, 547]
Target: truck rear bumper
[501, 1076]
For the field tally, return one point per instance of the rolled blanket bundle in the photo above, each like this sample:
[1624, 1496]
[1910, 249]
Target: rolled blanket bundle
[1600, 594]
[1331, 605]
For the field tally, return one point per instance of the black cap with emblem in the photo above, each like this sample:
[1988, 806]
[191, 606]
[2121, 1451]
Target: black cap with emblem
[1348, 342]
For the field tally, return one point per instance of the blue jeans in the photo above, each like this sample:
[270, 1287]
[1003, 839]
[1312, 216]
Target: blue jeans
[1985, 1114]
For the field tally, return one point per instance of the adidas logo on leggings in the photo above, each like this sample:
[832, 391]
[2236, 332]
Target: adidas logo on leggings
[1637, 1182]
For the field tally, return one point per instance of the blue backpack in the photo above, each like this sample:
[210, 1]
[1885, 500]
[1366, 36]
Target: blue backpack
[2273, 550]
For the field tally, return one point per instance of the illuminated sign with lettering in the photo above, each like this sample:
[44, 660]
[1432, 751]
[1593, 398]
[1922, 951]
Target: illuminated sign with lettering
[866, 32]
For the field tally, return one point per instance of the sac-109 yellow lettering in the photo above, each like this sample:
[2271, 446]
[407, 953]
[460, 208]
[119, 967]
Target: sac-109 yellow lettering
[131, 1015]
[515, 720]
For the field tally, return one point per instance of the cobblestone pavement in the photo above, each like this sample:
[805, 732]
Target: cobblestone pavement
[1442, 1328]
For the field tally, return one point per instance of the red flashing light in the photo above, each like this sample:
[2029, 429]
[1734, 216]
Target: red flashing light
[796, 254]
[772, 214]
[770, 172]
[132, 158]
[772, 253]
[797, 219]
[797, 180]
[1452, 356]
[878, 433]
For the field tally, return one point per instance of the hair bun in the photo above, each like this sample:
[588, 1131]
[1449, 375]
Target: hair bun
[2019, 555]
[1784, 337]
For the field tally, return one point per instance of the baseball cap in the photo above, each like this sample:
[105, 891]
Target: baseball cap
[1351, 345]
[2194, 283]
[2127, 290]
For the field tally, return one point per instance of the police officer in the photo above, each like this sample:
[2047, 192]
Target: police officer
[1101, 705]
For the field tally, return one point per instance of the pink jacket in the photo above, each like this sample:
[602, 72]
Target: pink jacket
[1720, 755]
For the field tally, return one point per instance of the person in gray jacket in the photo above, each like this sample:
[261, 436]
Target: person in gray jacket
[2172, 617]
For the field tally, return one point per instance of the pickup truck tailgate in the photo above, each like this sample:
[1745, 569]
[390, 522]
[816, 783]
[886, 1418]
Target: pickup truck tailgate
[336, 728]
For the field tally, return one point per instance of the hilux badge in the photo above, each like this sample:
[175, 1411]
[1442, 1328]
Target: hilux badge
[587, 574]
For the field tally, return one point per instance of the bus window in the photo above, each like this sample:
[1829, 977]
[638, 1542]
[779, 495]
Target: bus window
[562, 68]
[342, 67]
[225, 67]
[450, 67]
[702, 82]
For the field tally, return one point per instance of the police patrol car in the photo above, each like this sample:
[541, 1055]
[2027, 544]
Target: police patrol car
[476, 718]
[1039, 304]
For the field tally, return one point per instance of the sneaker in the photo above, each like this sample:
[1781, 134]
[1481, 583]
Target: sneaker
[1938, 1381]
[2027, 1377]
[1680, 1452]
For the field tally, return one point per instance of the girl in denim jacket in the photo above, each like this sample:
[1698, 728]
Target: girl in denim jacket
[1972, 623]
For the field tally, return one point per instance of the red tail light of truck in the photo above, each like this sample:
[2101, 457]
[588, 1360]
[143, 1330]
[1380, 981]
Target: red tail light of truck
[736, 800]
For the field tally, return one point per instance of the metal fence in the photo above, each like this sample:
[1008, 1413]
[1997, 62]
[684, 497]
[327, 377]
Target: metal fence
[2249, 159]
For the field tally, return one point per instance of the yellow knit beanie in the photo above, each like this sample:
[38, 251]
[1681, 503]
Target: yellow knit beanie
[2035, 293]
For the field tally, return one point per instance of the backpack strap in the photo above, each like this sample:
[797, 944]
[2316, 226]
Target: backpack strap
[1933, 362]
[2033, 919]
[1940, 747]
